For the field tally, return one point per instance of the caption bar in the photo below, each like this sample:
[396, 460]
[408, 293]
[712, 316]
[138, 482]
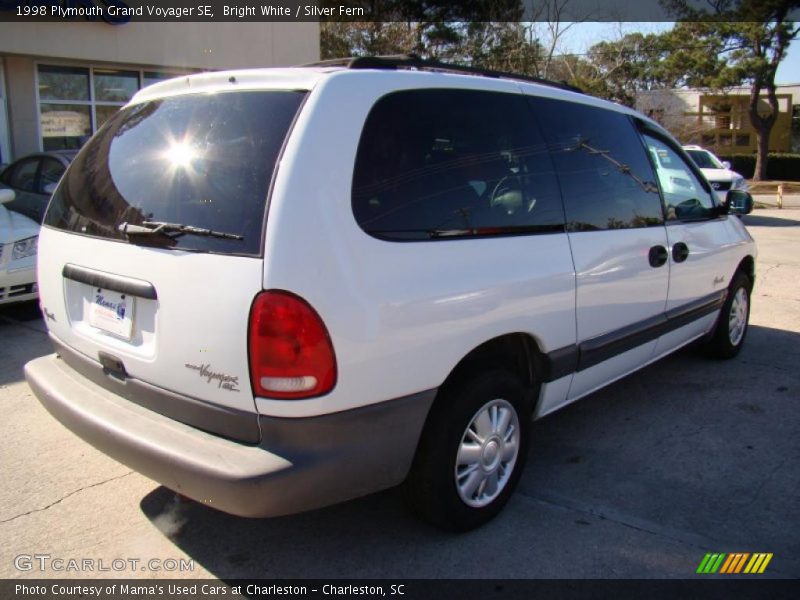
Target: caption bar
[120, 12]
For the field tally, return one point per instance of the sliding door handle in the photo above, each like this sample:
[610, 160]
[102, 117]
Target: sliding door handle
[657, 256]
[680, 252]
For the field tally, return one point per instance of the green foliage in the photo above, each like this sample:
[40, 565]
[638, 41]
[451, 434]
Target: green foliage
[719, 55]
[433, 29]
[342, 39]
[744, 164]
[502, 46]
[742, 42]
[780, 166]
[617, 70]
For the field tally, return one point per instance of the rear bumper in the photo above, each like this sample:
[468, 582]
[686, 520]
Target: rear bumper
[300, 464]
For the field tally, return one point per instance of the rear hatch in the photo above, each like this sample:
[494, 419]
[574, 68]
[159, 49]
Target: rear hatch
[151, 251]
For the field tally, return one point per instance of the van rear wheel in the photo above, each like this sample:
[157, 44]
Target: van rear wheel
[472, 451]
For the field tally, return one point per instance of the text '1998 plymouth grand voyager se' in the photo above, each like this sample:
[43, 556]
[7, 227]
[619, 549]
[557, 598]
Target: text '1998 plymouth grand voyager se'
[274, 290]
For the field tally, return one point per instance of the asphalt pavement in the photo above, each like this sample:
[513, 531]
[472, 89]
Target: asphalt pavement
[639, 480]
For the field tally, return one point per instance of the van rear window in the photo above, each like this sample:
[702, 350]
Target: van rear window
[204, 161]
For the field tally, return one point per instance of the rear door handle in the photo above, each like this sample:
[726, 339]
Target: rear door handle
[658, 256]
[680, 252]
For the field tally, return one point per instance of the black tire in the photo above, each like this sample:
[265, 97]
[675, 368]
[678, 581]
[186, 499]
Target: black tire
[431, 488]
[723, 344]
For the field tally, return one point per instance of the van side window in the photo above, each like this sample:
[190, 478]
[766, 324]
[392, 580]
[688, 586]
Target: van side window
[606, 178]
[442, 163]
[684, 195]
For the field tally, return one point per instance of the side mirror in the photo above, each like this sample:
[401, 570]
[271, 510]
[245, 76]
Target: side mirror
[50, 188]
[739, 202]
[726, 164]
[6, 195]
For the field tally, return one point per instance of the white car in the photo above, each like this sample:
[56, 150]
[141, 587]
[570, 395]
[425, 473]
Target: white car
[273, 290]
[717, 172]
[18, 242]
[672, 175]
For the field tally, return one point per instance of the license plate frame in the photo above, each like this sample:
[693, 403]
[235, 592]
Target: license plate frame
[112, 312]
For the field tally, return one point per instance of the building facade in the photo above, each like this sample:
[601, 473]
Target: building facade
[60, 81]
[720, 122]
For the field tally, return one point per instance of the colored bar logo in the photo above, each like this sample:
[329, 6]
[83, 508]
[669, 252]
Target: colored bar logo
[735, 562]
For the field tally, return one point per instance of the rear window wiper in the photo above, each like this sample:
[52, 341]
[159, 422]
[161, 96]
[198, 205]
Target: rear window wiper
[161, 227]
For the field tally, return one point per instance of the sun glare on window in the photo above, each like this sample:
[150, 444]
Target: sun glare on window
[180, 155]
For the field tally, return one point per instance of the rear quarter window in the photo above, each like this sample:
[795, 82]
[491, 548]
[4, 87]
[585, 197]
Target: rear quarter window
[449, 163]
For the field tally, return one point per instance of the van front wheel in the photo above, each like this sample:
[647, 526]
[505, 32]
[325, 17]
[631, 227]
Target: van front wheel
[734, 318]
[472, 451]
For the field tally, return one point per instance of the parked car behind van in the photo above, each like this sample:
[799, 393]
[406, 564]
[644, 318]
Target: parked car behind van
[718, 172]
[18, 243]
[33, 179]
[274, 290]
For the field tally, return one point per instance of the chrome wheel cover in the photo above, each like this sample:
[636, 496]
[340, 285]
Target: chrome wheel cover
[487, 453]
[737, 318]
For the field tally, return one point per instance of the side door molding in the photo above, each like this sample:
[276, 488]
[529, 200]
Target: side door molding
[579, 357]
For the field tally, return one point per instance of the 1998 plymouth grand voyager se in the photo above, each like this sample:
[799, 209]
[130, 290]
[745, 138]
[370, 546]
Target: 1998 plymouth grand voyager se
[273, 290]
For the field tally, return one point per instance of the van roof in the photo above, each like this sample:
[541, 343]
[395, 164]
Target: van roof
[216, 81]
[307, 77]
[414, 61]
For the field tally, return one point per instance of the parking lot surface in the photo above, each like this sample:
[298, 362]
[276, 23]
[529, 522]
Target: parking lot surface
[639, 480]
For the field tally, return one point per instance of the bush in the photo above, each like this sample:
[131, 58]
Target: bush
[742, 163]
[781, 167]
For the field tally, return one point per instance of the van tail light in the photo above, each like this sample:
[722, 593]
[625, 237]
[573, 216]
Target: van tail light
[291, 354]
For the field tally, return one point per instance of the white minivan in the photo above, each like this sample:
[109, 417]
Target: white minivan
[273, 290]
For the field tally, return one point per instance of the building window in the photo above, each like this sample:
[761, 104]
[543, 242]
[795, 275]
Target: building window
[742, 139]
[722, 116]
[115, 86]
[64, 126]
[74, 102]
[112, 89]
[63, 83]
[151, 77]
[65, 110]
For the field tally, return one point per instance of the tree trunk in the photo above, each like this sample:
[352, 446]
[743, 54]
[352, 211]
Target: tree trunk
[762, 153]
[762, 124]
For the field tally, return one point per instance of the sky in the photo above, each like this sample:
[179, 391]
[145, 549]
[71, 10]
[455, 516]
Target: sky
[580, 36]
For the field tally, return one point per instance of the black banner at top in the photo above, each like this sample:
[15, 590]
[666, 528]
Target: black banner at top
[119, 12]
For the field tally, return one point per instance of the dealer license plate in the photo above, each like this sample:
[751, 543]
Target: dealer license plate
[112, 312]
